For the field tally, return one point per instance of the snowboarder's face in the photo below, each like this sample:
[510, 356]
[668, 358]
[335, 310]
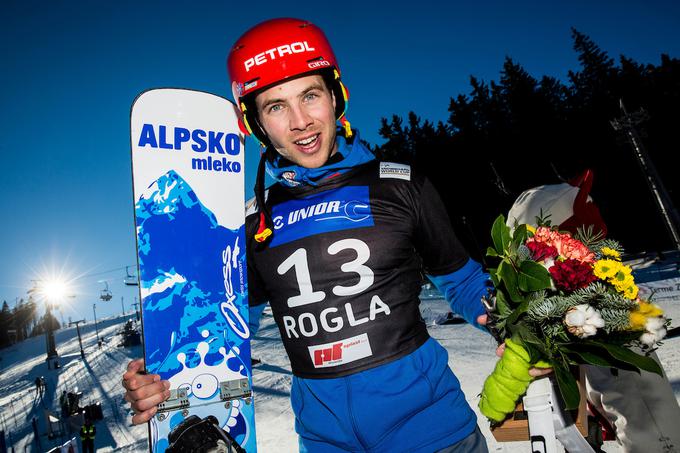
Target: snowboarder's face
[299, 119]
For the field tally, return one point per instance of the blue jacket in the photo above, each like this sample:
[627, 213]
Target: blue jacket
[413, 403]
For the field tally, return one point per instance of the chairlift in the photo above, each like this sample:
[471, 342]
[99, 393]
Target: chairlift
[105, 293]
[130, 279]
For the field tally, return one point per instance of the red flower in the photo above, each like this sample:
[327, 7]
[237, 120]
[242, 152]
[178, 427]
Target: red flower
[572, 274]
[541, 251]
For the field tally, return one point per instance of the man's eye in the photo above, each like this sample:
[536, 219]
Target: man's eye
[275, 108]
[311, 96]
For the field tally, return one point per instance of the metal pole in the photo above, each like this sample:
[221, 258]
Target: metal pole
[8, 431]
[663, 201]
[14, 414]
[80, 341]
[94, 307]
[122, 306]
[36, 433]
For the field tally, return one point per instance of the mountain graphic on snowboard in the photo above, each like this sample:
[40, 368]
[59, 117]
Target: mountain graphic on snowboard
[193, 289]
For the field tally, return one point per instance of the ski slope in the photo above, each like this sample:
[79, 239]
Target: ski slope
[471, 355]
[98, 377]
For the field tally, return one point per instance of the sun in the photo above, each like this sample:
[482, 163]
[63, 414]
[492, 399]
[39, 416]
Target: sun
[54, 290]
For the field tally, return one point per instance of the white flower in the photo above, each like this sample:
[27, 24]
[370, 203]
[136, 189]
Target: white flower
[548, 263]
[656, 330]
[589, 330]
[655, 323]
[583, 321]
[575, 318]
[661, 333]
[648, 338]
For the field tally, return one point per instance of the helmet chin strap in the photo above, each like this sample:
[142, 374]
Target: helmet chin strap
[346, 126]
[265, 228]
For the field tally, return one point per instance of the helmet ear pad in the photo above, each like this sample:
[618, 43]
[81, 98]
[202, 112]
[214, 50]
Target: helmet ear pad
[252, 120]
[333, 82]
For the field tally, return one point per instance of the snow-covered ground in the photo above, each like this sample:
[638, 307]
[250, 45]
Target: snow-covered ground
[98, 377]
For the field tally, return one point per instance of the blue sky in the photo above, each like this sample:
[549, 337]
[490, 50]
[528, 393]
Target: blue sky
[71, 69]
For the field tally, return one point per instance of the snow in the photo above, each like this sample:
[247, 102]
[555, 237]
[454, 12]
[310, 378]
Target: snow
[98, 377]
[471, 356]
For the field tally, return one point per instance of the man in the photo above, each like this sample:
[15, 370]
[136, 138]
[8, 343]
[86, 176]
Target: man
[38, 386]
[87, 433]
[336, 247]
[65, 409]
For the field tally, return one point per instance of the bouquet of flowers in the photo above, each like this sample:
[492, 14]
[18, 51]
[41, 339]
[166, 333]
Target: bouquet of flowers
[562, 300]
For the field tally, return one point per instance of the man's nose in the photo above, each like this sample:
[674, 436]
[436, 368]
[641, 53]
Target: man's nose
[299, 118]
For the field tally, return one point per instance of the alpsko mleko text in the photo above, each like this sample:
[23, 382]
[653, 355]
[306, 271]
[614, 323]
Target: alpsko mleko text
[217, 146]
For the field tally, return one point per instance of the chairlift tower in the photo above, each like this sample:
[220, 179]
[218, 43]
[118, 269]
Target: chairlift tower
[50, 343]
[49, 336]
[626, 124]
[138, 309]
[80, 341]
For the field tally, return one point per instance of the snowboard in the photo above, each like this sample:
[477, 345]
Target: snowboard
[188, 184]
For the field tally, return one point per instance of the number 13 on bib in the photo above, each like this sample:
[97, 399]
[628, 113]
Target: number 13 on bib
[188, 179]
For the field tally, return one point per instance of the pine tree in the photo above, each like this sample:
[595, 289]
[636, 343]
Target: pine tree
[504, 137]
[5, 324]
[593, 81]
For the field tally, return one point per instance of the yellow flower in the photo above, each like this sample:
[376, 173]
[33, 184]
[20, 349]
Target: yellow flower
[621, 281]
[610, 253]
[649, 310]
[531, 229]
[637, 320]
[631, 292]
[605, 269]
[642, 314]
[621, 276]
[626, 269]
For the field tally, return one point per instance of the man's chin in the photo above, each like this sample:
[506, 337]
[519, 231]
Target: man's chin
[312, 163]
[316, 160]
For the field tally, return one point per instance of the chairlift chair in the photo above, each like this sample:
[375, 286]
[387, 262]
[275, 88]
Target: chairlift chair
[130, 280]
[106, 294]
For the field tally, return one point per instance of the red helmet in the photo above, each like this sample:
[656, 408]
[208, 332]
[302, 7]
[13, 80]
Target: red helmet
[274, 51]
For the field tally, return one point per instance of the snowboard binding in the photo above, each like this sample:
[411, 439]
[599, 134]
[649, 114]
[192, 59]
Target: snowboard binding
[198, 435]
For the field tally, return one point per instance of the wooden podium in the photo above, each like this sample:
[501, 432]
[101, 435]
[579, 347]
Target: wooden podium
[516, 427]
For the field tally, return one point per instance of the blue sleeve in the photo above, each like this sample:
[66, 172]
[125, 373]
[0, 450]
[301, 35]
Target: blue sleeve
[254, 314]
[463, 290]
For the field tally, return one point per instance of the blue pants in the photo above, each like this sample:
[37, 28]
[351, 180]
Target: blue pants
[412, 404]
[474, 443]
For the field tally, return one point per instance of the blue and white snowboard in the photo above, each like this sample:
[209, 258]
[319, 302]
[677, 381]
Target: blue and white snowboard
[187, 168]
